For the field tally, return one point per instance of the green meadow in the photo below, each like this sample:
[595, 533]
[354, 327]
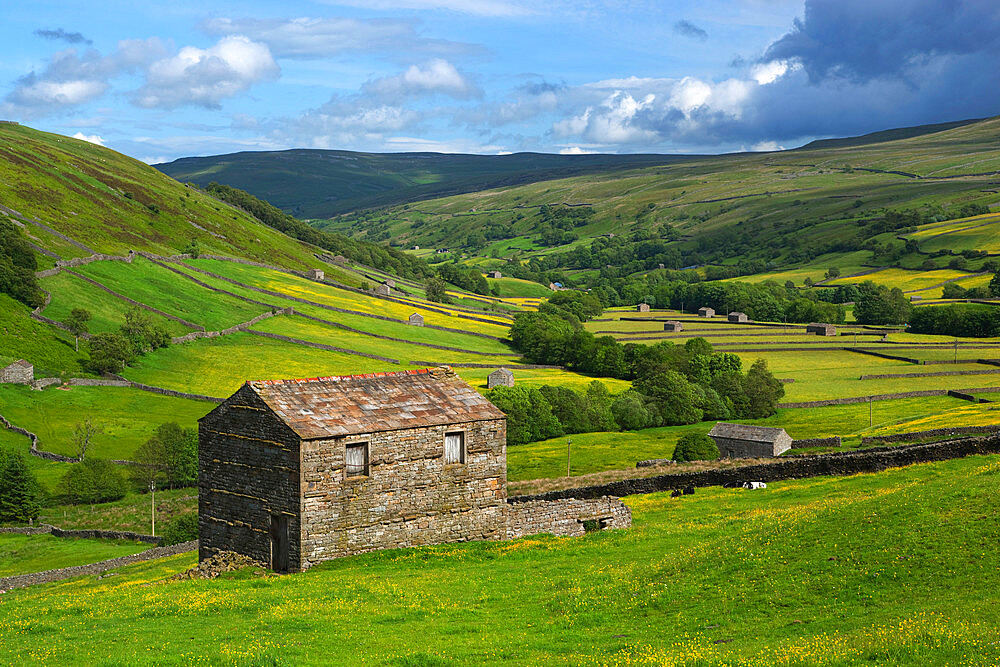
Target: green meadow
[23, 554]
[894, 568]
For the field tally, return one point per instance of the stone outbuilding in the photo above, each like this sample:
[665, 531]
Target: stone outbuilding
[821, 329]
[316, 274]
[383, 290]
[19, 372]
[339, 260]
[738, 317]
[673, 325]
[390, 283]
[705, 311]
[416, 319]
[642, 308]
[501, 377]
[295, 472]
[496, 275]
[743, 441]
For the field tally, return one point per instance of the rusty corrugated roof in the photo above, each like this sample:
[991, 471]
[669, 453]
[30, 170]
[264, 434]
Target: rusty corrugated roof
[372, 402]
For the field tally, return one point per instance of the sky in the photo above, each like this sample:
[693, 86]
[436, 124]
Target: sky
[158, 81]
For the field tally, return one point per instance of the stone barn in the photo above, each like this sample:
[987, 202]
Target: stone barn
[673, 326]
[295, 472]
[642, 308]
[390, 283]
[316, 274]
[705, 311]
[340, 260]
[501, 377]
[821, 329]
[416, 319]
[742, 441]
[496, 275]
[383, 290]
[738, 317]
[19, 372]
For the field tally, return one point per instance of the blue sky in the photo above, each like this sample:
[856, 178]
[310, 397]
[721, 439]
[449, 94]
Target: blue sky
[182, 78]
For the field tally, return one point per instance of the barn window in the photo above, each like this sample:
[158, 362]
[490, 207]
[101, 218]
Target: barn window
[454, 447]
[356, 459]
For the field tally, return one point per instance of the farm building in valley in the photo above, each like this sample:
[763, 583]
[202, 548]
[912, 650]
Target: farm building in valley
[705, 311]
[316, 274]
[501, 377]
[642, 308]
[743, 441]
[821, 329]
[738, 317]
[19, 372]
[295, 472]
[416, 319]
[383, 290]
[674, 326]
[496, 275]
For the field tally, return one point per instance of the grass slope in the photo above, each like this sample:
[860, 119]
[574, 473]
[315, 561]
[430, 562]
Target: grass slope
[891, 568]
[112, 203]
[23, 554]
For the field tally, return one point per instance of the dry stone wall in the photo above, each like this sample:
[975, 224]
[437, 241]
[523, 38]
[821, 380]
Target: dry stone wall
[565, 517]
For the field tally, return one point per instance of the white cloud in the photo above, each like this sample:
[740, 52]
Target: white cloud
[575, 150]
[437, 76]
[769, 72]
[92, 138]
[479, 7]
[764, 146]
[204, 77]
[307, 37]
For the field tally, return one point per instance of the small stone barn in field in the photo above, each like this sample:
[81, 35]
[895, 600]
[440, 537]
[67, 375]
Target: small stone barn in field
[295, 472]
[495, 275]
[642, 308]
[705, 311]
[742, 441]
[738, 317]
[383, 290]
[501, 377]
[673, 326]
[19, 372]
[316, 274]
[416, 319]
[821, 329]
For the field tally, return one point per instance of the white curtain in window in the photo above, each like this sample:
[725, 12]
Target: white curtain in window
[454, 449]
[356, 459]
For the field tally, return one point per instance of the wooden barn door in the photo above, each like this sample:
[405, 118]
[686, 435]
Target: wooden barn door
[279, 543]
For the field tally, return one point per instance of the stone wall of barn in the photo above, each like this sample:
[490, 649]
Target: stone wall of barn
[409, 498]
[17, 374]
[735, 448]
[248, 469]
[568, 517]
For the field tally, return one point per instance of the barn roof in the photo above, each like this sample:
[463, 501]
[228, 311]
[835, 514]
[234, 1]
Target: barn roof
[343, 405]
[503, 371]
[20, 363]
[746, 432]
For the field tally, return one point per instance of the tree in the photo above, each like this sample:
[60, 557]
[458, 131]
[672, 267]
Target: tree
[83, 435]
[183, 528]
[109, 353]
[18, 490]
[142, 333]
[672, 396]
[832, 272]
[763, 390]
[94, 481]
[629, 410]
[695, 447]
[529, 415]
[77, 323]
[436, 290]
[995, 284]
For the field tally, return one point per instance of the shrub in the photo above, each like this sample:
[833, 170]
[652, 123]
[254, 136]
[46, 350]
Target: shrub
[696, 447]
[94, 481]
[183, 528]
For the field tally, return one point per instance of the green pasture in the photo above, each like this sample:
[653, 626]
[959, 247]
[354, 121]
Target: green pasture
[126, 417]
[23, 554]
[107, 311]
[515, 287]
[826, 570]
[847, 263]
[132, 513]
[303, 329]
[161, 288]
[51, 350]
[903, 279]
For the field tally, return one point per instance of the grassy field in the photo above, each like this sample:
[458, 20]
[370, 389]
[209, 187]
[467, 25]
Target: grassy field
[515, 287]
[48, 348]
[127, 417]
[908, 281]
[107, 311]
[160, 288]
[113, 203]
[131, 513]
[818, 571]
[22, 554]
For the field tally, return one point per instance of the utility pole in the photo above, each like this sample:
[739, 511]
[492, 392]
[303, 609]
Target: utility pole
[869, 412]
[152, 505]
[956, 349]
[569, 445]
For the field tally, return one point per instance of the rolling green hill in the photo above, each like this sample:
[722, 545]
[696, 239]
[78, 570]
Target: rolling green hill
[780, 209]
[322, 183]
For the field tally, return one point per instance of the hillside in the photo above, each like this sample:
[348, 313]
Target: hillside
[778, 209]
[322, 183]
[73, 198]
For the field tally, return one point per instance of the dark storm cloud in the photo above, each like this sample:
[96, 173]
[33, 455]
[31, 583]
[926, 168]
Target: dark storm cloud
[62, 35]
[862, 40]
[688, 29]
